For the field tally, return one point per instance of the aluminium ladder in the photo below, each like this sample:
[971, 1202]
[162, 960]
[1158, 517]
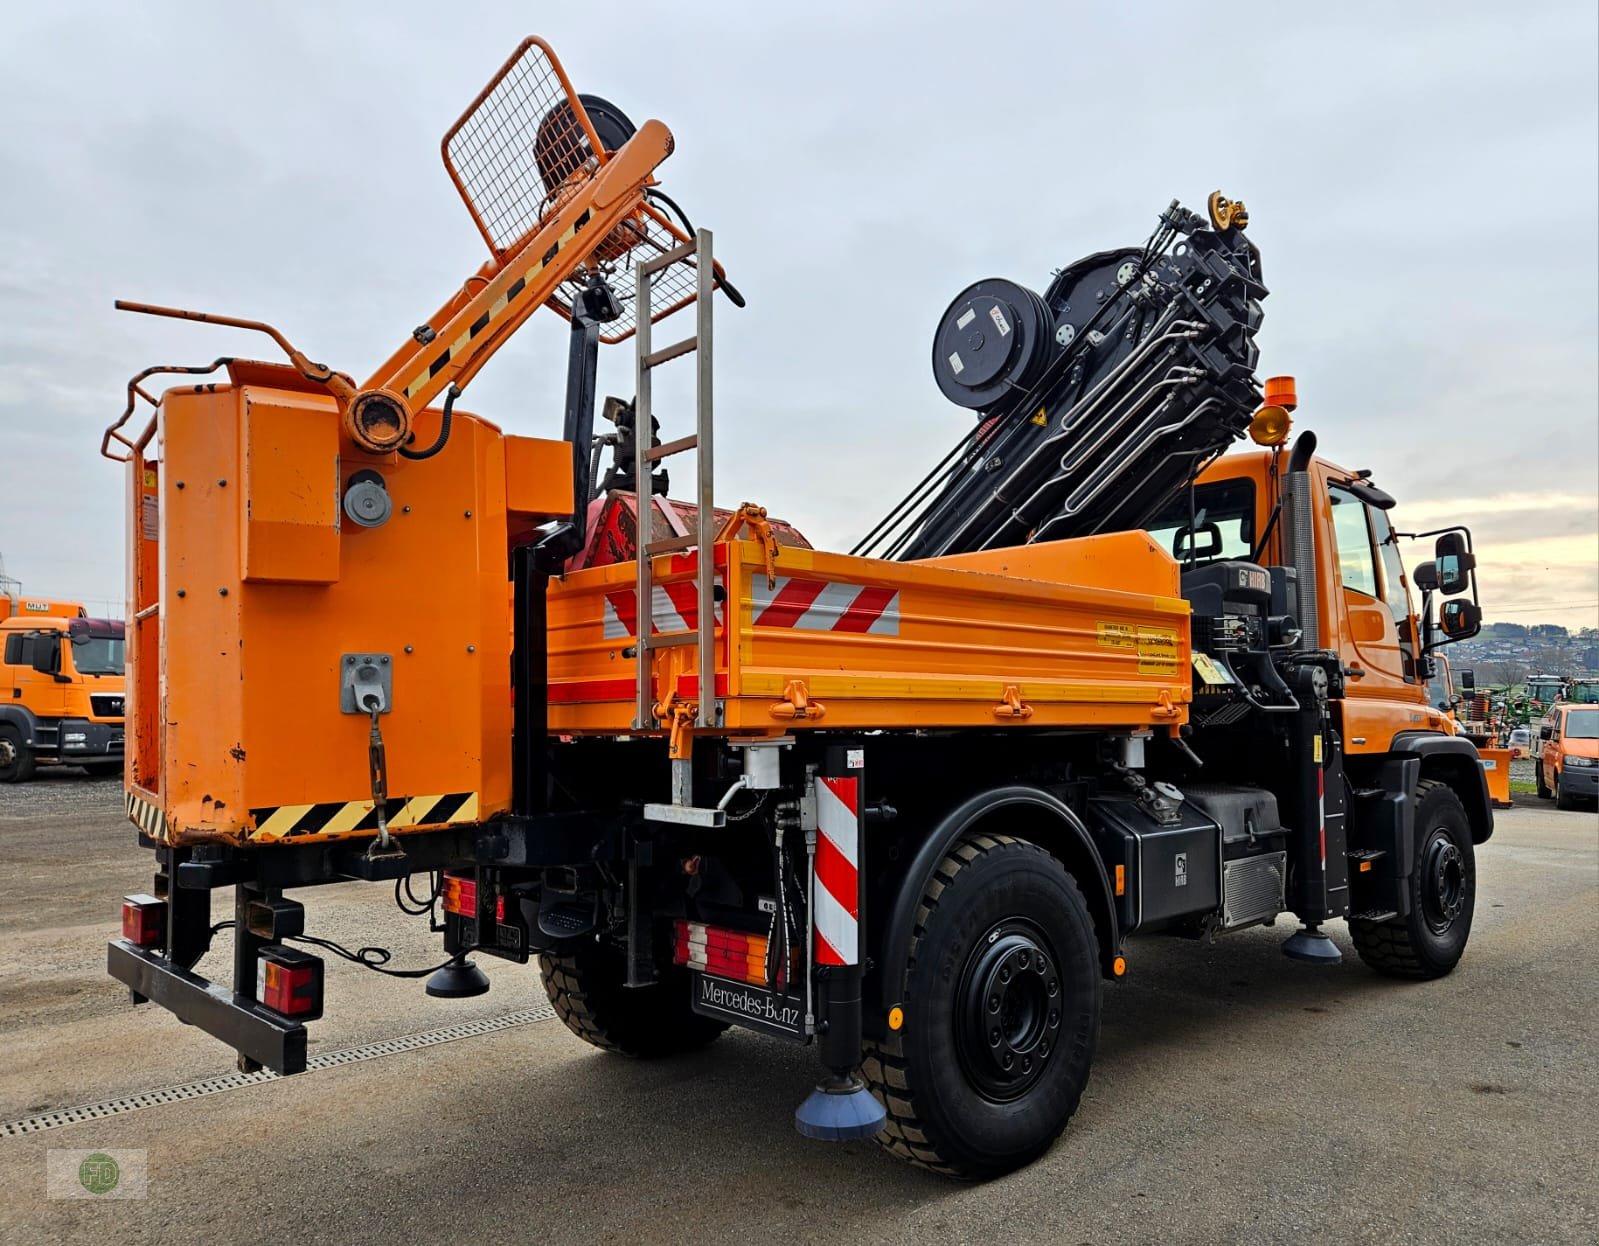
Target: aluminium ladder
[703, 634]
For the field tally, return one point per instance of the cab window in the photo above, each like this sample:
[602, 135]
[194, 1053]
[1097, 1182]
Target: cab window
[19, 649]
[1356, 563]
[1393, 570]
[1223, 523]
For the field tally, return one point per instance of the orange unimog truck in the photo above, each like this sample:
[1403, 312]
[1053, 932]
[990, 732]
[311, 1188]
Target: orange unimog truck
[60, 688]
[915, 805]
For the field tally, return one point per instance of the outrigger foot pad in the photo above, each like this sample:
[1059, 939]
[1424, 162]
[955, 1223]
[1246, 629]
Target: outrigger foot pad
[1309, 944]
[460, 979]
[840, 1109]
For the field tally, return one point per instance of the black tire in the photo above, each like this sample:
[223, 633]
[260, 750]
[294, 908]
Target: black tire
[1562, 800]
[994, 905]
[1443, 893]
[1543, 788]
[16, 762]
[586, 988]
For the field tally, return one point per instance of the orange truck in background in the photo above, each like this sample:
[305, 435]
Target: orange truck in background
[61, 688]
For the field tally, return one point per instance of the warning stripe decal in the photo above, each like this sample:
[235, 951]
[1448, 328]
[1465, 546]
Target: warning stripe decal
[819, 606]
[353, 816]
[147, 817]
[673, 608]
[836, 893]
[454, 349]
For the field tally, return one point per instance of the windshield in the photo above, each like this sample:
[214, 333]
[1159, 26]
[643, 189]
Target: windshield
[1583, 725]
[97, 655]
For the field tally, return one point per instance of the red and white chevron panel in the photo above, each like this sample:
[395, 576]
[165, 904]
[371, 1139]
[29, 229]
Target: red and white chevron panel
[676, 608]
[836, 896]
[819, 606]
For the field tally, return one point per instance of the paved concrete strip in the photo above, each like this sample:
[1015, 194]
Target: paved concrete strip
[237, 1081]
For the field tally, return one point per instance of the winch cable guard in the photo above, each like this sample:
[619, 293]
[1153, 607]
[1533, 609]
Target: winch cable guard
[1097, 402]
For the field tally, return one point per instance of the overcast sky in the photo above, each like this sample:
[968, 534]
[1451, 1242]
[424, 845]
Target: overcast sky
[1421, 180]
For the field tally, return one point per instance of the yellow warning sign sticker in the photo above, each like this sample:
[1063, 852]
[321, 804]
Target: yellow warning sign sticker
[1315, 748]
[1116, 636]
[1041, 418]
[1157, 650]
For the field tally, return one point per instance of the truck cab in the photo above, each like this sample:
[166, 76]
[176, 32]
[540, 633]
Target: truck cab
[61, 693]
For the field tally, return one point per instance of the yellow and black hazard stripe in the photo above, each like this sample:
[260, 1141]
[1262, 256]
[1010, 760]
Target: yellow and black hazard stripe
[351, 817]
[455, 348]
[150, 819]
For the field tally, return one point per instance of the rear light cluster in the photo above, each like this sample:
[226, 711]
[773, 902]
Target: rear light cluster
[289, 981]
[460, 895]
[144, 921]
[725, 953]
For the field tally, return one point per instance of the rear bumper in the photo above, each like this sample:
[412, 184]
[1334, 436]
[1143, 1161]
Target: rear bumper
[254, 1031]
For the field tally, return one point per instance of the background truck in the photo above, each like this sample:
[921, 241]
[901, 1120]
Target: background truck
[908, 805]
[61, 687]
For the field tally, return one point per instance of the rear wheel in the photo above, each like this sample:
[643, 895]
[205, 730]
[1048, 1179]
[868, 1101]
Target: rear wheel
[586, 988]
[1543, 788]
[1001, 1013]
[1443, 891]
[16, 762]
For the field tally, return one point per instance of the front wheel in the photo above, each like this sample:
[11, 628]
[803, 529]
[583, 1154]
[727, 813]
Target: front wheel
[1563, 799]
[1001, 1004]
[16, 762]
[1429, 942]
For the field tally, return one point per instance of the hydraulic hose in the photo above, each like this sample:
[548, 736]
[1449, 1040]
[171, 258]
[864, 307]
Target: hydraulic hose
[450, 396]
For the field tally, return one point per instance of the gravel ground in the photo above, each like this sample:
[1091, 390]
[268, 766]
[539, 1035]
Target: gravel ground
[1237, 1095]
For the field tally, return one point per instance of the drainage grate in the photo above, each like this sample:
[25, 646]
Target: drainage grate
[237, 1081]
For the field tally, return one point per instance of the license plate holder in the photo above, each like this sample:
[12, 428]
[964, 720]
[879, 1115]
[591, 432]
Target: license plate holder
[753, 1007]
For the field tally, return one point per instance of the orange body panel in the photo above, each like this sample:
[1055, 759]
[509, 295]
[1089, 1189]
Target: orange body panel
[887, 645]
[1496, 769]
[250, 585]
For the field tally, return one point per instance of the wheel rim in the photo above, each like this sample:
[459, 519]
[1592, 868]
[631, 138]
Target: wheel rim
[8, 753]
[1443, 889]
[1009, 1010]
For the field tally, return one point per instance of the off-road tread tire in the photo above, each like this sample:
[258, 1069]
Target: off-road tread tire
[21, 770]
[587, 992]
[906, 1135]
[1388, 947]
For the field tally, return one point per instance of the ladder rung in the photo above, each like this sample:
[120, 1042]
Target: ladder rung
[670, 640]
[671, 544]
[667, 258]
[674, 351]
[667, 449]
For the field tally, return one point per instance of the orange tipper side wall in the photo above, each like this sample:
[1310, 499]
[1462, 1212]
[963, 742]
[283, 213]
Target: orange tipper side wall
[1014, 638]
[264, 587]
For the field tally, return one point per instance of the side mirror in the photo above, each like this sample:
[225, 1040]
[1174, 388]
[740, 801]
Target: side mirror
[47, 653]
[1468, 680]
[1454, 564]
[1545, 733]
[1424, 576]
[1460, 619]
[1203, 541]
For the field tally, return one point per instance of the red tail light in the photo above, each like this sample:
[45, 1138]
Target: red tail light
[725, 953]
[289, 981]
[144, 920]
